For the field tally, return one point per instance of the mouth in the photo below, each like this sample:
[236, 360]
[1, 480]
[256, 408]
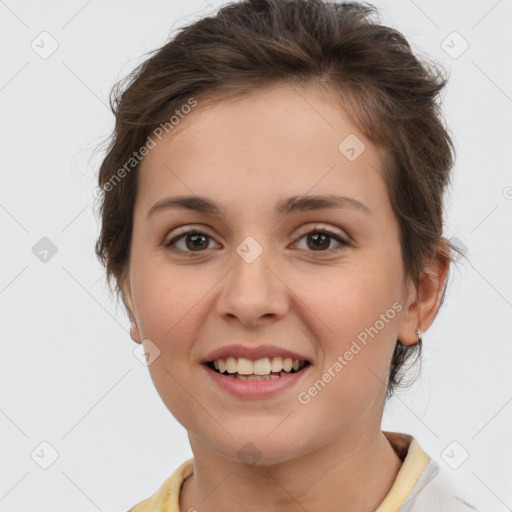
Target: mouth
[261, 369]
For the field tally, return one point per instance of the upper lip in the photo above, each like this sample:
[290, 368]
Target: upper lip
[254, 353]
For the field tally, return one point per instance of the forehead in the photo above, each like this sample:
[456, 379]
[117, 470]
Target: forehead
[278, 141]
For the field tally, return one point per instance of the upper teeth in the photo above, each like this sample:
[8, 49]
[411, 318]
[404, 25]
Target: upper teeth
[262, 366]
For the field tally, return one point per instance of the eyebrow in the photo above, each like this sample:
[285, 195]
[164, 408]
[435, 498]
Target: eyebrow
[284, 207]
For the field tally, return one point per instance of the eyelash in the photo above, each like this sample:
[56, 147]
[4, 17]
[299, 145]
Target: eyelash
[343, 243]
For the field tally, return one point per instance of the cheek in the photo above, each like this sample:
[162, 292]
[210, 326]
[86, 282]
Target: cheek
[359, 312]
[352, 300]
[168, 308]
[164, 299]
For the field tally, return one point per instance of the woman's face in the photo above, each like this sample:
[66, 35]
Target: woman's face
[253, 275]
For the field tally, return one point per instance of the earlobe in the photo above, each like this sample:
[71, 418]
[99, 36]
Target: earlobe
[411, 320]
[128, 302]
[423, 304]
[135, 334]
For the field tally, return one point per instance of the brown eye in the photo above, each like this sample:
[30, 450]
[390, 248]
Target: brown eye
[194, 241]
[319, 240]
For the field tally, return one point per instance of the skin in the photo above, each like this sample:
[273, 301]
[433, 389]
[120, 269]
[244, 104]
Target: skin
[248, 153]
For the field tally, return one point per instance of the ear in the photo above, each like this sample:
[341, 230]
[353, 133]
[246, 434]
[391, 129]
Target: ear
[126, 294]
[422, 303]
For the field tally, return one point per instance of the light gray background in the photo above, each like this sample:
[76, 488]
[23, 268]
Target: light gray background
[68, 374]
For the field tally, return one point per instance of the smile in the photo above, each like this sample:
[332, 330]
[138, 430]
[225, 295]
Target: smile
[266, 368]
[262, 369]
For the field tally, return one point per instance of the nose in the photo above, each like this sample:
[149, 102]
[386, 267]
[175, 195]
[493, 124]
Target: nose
[253, 292]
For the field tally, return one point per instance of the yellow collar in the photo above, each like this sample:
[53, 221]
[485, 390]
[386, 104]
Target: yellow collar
[415, 460]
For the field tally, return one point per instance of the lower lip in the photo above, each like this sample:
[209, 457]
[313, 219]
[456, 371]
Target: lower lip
[255, 388]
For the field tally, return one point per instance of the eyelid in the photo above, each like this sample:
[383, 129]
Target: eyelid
[185, 230]
[342, 238]
[180, 230]
[322, 227]
[303, 231]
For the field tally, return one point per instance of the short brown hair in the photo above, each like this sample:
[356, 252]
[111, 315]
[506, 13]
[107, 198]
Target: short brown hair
[387, 92]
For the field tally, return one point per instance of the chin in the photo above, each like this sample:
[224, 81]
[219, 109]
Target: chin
[258, 450]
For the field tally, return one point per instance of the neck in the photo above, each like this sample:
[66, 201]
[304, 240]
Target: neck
[351, 474]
